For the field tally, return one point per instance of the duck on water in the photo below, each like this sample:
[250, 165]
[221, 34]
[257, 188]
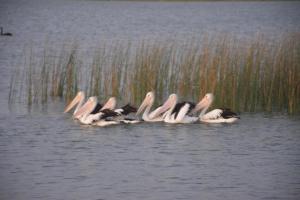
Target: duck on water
[4, 34]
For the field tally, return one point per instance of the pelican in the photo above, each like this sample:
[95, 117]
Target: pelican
[155, 115]
[4, 34]
[92, 111]
[84, 111]
[106, 115]
[121, 113]
[116, 116]
[177, 112]
[79, 100]
[103, 119]
[220, 115]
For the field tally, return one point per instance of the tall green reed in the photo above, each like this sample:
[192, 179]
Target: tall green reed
[252, 75]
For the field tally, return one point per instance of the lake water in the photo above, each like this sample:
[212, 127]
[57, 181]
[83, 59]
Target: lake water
[44, 154]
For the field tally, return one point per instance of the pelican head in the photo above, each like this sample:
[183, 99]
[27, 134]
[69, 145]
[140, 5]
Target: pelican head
[87, 108]
[148, 101]
[205, 102]
[110, 104]
[79, 97]
[170, 102]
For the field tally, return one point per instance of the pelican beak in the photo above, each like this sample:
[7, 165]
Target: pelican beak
[87, 108]
[202, 104]
[76, 100]
[168, 104]
[110, 104]
[143, 106]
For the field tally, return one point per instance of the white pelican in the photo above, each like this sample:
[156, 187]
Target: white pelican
[111, 117]
[79, 100]
[118, 115]
[124, 111]
[92, 111]
[84, 111]
[177, 112]
[217, 115]
[155, 115]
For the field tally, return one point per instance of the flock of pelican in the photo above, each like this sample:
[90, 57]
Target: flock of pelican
[93, 113]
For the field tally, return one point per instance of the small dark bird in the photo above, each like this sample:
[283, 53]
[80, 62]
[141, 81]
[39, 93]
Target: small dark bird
[4, 34]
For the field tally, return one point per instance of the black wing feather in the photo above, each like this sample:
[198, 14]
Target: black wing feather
[97, 108]
[227, 113]
[128, 109]
[180, 105]
[108, 113]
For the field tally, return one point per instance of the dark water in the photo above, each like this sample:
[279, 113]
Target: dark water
[49, 156]
[44, 154]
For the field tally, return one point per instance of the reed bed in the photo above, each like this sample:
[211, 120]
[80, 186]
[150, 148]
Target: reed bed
[248, 76]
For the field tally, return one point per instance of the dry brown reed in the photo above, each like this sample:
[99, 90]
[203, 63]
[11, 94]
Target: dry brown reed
[253, 75]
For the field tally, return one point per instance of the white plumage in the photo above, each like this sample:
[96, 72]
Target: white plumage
[150, 116]
[177, 113]
[170, 112]
[216, 115]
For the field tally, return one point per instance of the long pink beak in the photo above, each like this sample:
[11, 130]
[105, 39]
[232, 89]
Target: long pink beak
[169, 103]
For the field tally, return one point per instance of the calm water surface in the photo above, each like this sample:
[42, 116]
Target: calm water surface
[49, 156]
[44, 154]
